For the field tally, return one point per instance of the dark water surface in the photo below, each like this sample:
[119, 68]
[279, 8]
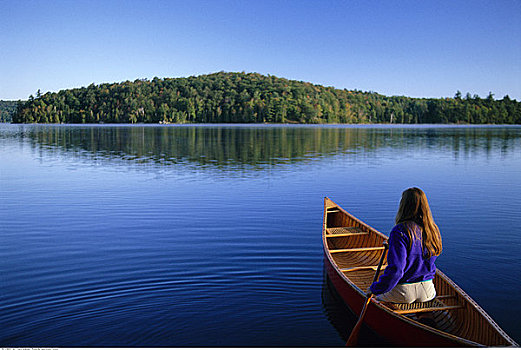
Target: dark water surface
[175, 236]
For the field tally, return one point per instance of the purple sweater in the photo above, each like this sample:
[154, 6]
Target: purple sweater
[404, 266]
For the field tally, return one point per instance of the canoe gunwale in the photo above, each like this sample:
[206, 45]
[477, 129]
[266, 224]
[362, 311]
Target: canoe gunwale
[402, 318]
[477, 307]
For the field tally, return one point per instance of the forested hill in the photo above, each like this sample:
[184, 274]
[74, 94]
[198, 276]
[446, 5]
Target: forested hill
[7, 109]
[253, 98]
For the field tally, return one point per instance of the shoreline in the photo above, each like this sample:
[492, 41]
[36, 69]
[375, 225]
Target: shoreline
[380, 125]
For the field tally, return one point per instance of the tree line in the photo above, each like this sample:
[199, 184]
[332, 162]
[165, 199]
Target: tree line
[253, 98]
[7, 109]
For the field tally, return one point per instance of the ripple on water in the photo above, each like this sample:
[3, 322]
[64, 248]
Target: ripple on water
[108, 244]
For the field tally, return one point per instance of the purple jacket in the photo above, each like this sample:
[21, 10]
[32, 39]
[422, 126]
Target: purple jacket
[404, 266]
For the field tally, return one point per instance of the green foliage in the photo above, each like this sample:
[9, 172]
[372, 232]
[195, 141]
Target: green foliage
[253, 98]
[7, 109]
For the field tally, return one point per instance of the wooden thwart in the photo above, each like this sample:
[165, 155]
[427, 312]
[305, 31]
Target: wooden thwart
[356, 268]
[428, 309]
[433, 305]
[346, 234]
[350, 250]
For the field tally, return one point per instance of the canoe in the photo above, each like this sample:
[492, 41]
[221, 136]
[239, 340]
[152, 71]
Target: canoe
[352, 251]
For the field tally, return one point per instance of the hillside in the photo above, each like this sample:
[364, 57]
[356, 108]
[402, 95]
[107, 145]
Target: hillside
[253, 98]
[7, 109]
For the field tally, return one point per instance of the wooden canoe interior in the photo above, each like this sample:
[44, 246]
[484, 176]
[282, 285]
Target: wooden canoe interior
[356, 248]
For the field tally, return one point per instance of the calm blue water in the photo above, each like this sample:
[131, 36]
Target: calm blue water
[179, 236]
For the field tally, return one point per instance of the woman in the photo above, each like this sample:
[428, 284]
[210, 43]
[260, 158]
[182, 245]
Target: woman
[414, 244]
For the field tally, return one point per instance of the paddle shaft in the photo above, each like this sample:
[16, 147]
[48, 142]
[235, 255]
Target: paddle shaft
[353, 338]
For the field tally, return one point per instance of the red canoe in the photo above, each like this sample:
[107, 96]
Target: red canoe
[353, 250]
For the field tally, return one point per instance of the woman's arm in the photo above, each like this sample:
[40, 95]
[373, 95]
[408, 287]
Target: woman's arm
[396, 261]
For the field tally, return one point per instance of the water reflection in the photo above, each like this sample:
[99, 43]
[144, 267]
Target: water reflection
[255, 147]
[343, 319]
[232, 262]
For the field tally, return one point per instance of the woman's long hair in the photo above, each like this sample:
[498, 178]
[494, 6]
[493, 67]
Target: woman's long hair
[414, 208]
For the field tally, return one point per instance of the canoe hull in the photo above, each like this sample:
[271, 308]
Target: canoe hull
[352, 249]
[397, 331]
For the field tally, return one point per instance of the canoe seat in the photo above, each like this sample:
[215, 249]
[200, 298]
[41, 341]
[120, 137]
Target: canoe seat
[434, 305]
[369, 267]
[352, 250]
[345, 232]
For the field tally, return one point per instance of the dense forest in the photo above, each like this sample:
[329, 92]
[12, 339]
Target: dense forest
[253, 98]
[7, 109]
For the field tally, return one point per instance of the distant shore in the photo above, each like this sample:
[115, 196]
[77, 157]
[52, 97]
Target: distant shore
[251, 98]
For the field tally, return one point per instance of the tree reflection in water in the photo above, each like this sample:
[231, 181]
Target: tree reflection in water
[343, 319]
[256, 147]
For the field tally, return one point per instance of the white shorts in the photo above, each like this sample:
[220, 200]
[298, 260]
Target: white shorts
[407, 293]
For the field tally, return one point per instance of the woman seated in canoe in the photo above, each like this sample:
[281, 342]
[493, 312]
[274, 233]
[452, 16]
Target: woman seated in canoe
[414, 244]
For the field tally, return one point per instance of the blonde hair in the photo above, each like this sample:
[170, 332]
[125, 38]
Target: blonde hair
[414, 208]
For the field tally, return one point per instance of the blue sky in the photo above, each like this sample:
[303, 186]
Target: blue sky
[414, 48]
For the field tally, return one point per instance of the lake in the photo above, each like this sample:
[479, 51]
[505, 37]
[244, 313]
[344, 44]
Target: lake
[210, 235]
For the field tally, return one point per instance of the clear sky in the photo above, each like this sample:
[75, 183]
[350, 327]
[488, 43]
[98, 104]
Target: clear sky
[418, 48]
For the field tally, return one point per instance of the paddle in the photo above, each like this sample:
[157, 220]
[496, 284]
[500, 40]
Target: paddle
[353, 338]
